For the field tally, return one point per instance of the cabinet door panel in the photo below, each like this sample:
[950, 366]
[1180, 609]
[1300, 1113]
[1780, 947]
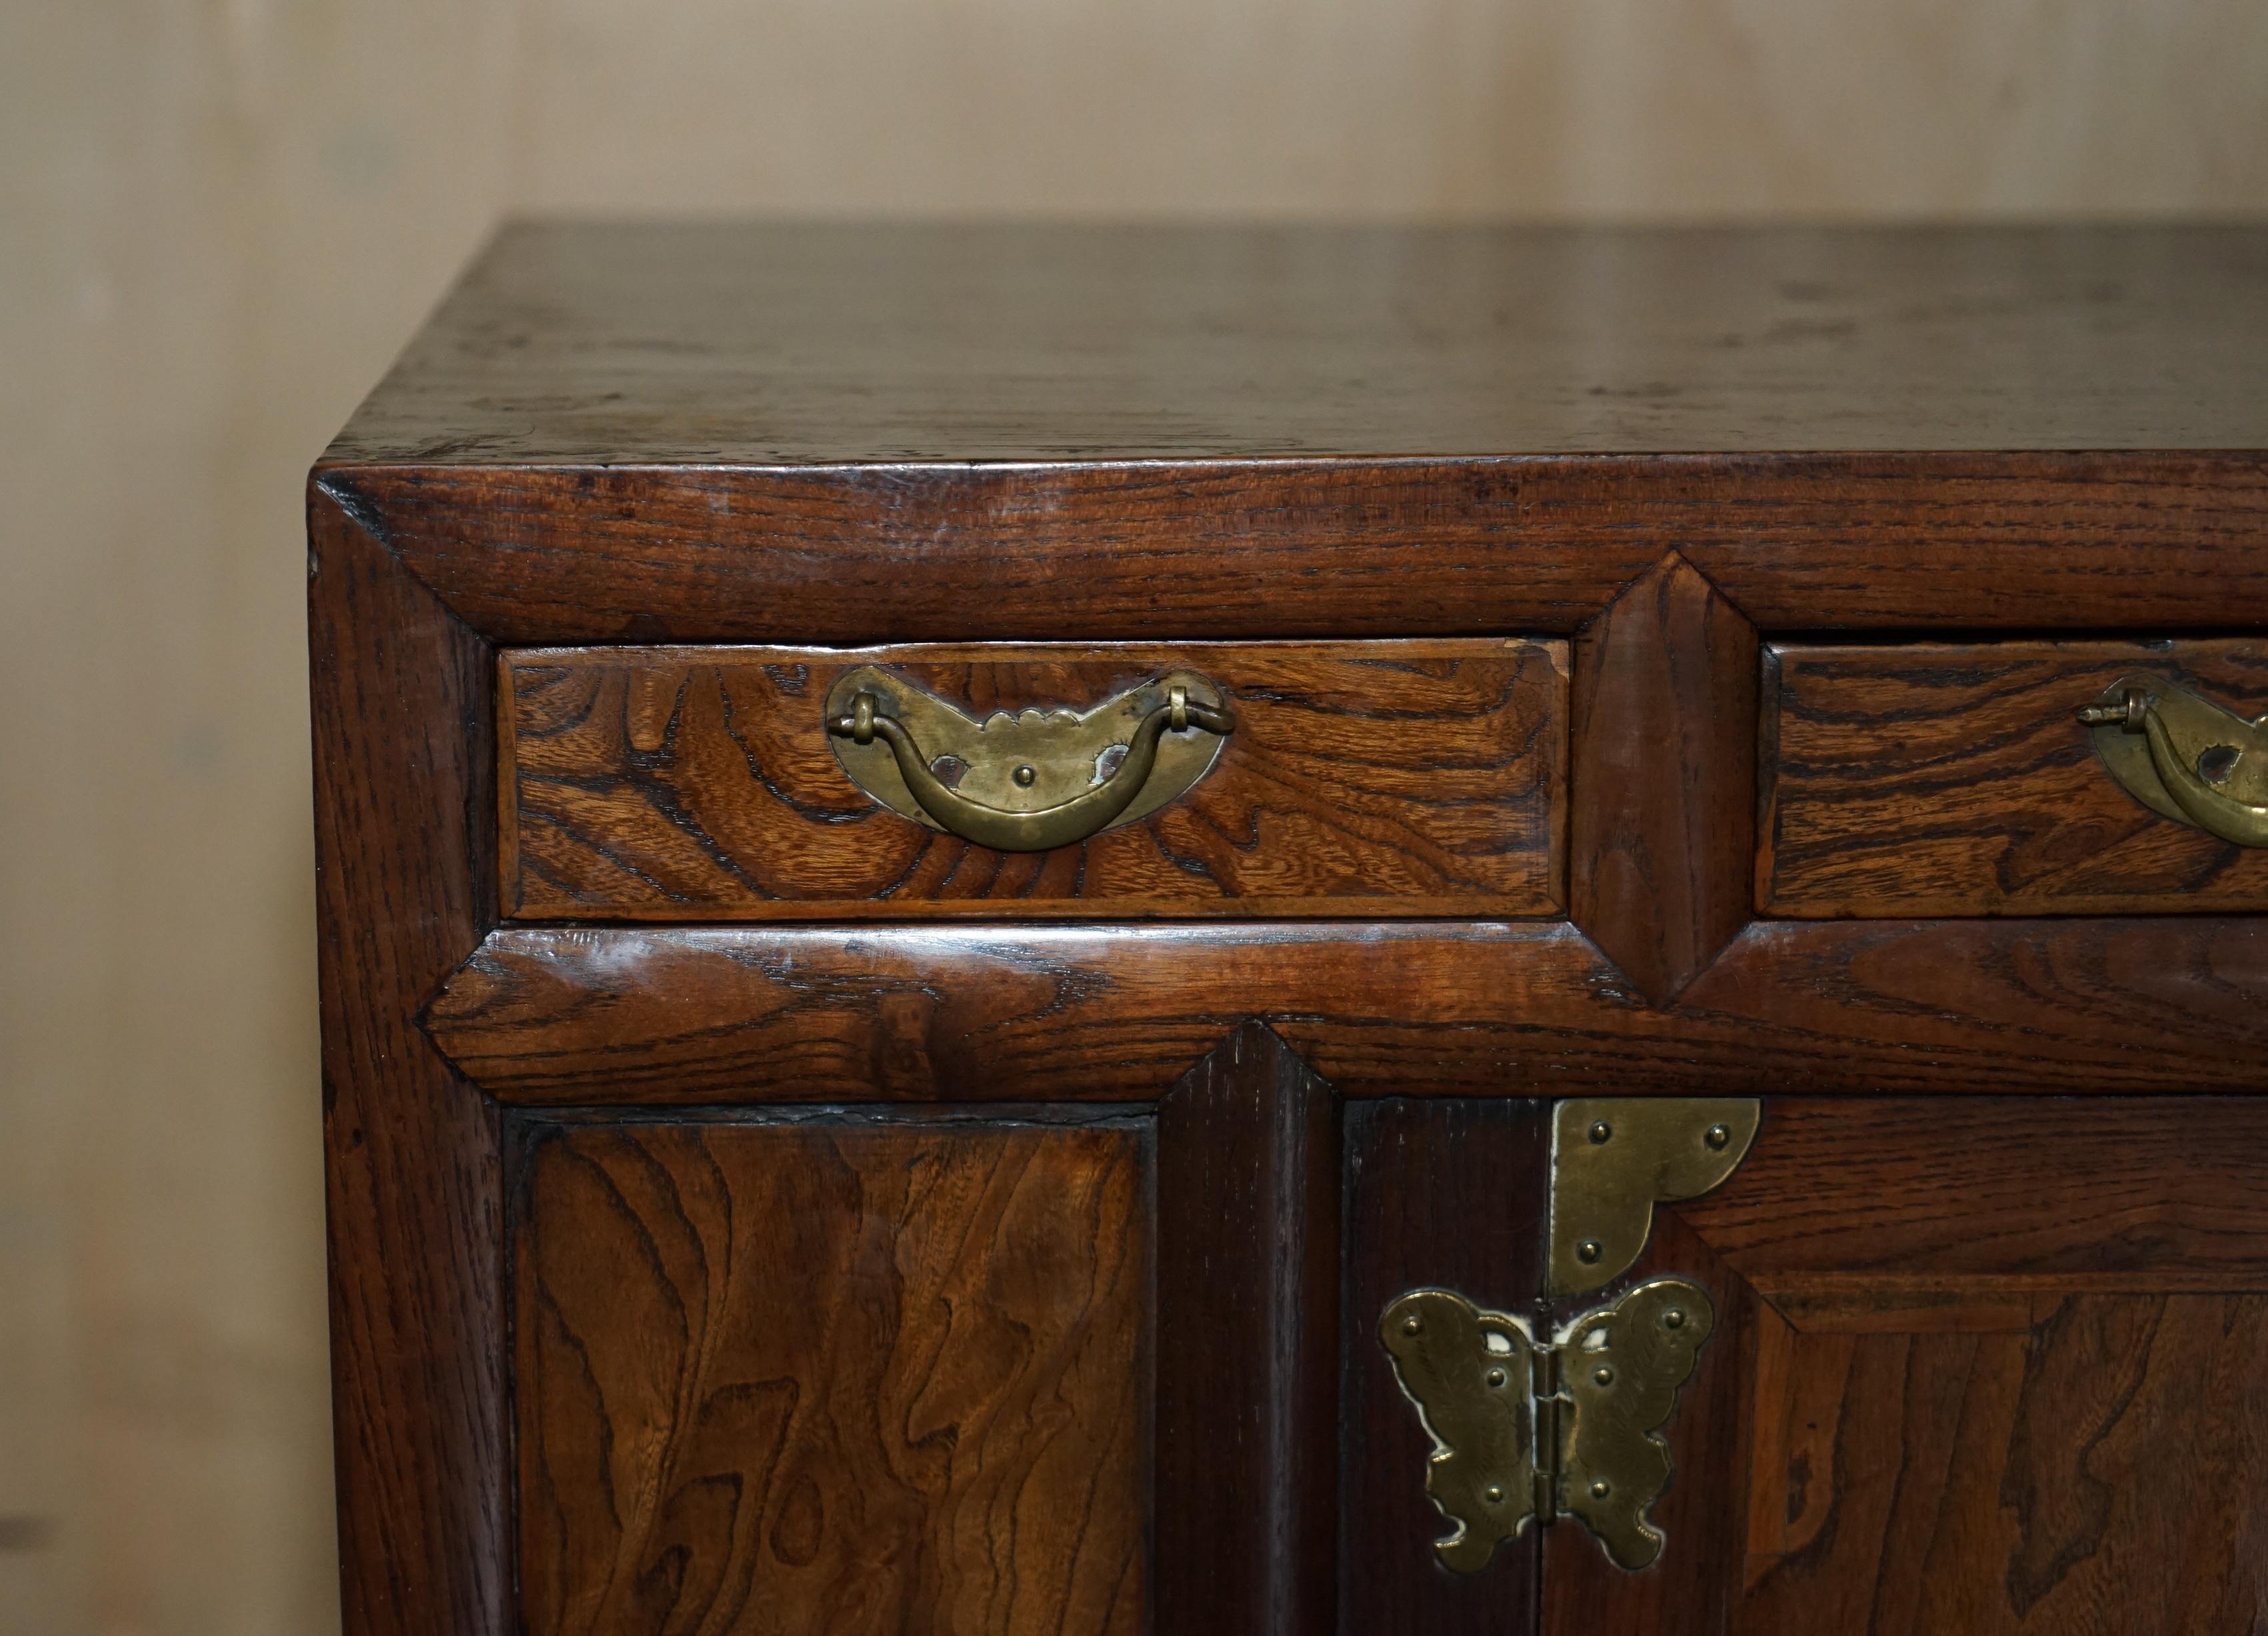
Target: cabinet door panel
[1985, 1365]
[848, 1375]
[1446, 1192]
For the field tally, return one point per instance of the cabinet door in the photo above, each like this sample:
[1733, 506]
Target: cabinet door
[1982, 1365]
[1004, 1369]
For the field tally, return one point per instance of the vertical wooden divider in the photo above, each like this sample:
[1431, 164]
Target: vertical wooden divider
[1248, 1258]
[1662, 827]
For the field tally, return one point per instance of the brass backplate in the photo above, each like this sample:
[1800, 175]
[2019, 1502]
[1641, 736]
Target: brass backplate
[1613, 1158]
[1023, 761]
[1526, 1431]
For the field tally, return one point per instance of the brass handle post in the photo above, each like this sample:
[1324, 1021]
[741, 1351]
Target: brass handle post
[2184, 757]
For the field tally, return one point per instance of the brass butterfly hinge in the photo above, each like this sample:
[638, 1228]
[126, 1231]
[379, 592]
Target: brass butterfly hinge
[1527, 1430]
[1531, 1430]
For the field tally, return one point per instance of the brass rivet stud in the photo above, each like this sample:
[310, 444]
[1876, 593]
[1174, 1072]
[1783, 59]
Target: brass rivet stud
[1604, 1376]
[1589, 1251]
[1495, 1495]
[1496, 1377]
[1024, 774]
[1674, 1319]
[1719, 1136]
[1411, 1326]
[1599, 1490]
[1601, 1130]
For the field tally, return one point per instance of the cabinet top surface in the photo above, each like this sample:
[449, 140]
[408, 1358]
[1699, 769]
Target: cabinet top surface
[804, 344]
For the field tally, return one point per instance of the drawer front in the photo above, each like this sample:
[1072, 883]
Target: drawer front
[1358, 778]
[1954, 779]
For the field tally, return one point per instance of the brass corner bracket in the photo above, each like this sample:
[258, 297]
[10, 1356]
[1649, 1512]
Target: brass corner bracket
[1613, 1158]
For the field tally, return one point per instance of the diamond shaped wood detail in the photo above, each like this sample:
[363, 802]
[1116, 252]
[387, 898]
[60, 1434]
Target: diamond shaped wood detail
[1662, 826]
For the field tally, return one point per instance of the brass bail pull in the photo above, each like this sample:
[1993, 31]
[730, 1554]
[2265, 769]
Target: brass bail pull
[2184, 757]
[1042, 751]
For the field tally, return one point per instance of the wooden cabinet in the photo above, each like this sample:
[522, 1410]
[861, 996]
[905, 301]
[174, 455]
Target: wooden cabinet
[1684, 831]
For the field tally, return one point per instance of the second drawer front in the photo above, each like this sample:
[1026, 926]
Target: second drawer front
[1928, 779]
[1361, 778]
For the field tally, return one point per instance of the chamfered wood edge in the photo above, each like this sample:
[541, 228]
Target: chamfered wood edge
[1661, 722]
[1246, 1348]
[543, 1015]
[1298, 547]
[402, 695]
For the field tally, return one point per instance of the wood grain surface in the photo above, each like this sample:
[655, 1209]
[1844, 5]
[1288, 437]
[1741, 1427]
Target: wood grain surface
[1336, 549]
[1994, 1366]
[1950, 778]
[1116, 1013]
[1664, 755]
[843, 435]
[2086, 1193]
[1247, 1302]
[1382, 777]
[2107, 1458]
[401, 699]
[804, 344]
[853, 1375]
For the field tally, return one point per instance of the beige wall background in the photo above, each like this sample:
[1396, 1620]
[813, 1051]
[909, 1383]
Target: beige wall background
[218, 218]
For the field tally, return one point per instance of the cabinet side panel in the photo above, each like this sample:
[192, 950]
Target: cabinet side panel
[403, 803]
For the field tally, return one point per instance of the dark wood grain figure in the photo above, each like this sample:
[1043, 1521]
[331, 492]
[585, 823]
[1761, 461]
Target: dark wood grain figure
[1247, 1333]
[982, 1242]
[1410, 777]
[842, 1377]
[1220, 549]
[416, 1191]
[1934, 778]
[1664, 724]
[548, 1015]
[1960, 1402]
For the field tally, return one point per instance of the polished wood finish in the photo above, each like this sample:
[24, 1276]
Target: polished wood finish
[1950, 778]
[847, 1375]
[1246, 1335]
[1381, 777]
[1990, 1371]
[735, 344]
[415, 1192]
[1336, 547]
[1989, 1288]
[882, 434]
[2025, 1482]
[1664, 751]
[1945, 1194]
[558, 1016]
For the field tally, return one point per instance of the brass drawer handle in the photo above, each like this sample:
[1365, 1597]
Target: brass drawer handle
[2184, 757]
[1029, 781]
